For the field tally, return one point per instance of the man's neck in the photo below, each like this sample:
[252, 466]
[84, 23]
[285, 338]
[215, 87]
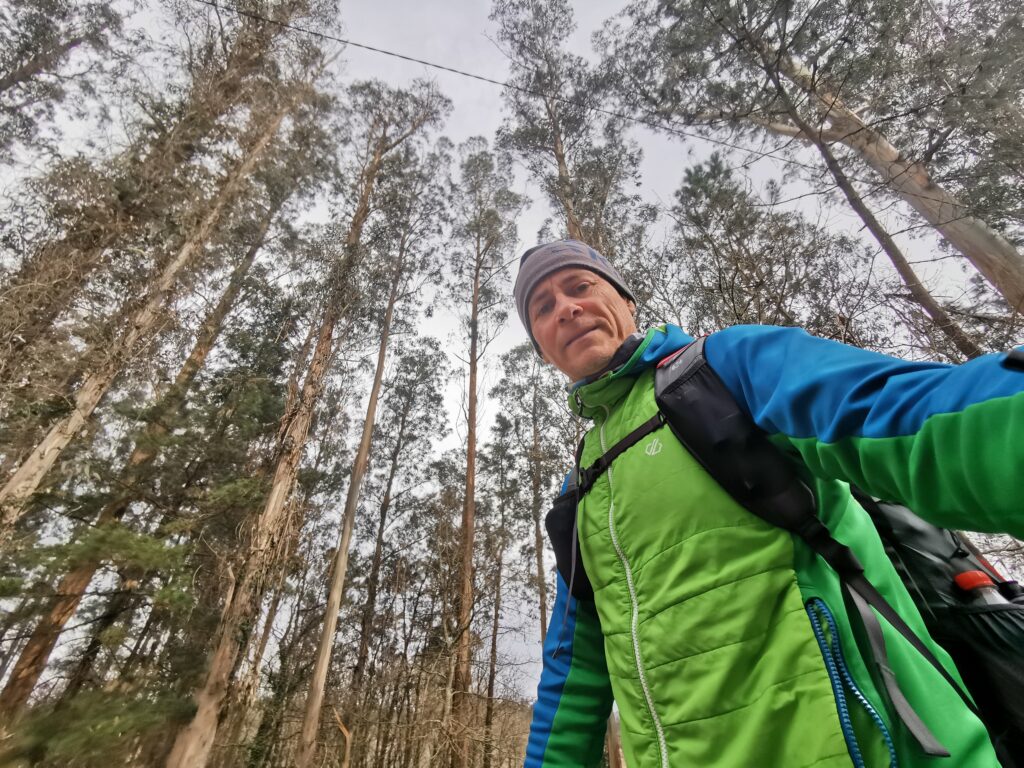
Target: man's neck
[621, 356]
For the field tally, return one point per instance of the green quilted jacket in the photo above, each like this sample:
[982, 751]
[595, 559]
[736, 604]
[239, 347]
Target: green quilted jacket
[724, 641]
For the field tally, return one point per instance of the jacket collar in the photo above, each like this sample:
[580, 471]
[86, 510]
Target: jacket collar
[637, 353]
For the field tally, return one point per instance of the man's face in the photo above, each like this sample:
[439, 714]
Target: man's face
[579, 319]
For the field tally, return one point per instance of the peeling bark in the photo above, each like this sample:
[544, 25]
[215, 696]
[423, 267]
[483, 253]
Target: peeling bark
[314, 702]
[143, 324]
[991, 253]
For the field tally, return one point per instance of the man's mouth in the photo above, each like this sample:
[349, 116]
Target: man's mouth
[579, 336]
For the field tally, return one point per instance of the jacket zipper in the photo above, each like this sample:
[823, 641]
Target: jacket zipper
[635, 605]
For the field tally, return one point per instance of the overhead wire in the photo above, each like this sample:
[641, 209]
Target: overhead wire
[653, 124]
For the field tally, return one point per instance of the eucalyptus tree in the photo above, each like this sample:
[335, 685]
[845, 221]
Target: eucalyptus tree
[411, 425]
[534, 396]
[484, 210]
[143, 322]
[143, 626]
[551, 129]
[37, 37]
[798, 71]
[971, 57]
[735, 256]
[403, 239]
[504, 522]
[578, 155]
[412, 409]
[291, 171]
[106, 211]
[382, 119]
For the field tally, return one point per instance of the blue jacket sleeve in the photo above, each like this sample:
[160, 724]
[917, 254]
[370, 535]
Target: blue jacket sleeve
[946, 440]
[574, 697]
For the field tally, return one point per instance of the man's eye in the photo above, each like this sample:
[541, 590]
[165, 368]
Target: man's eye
[543, 309]
[583, 287]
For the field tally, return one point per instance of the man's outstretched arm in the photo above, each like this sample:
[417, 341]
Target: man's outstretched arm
[946, 440]
[574, 697]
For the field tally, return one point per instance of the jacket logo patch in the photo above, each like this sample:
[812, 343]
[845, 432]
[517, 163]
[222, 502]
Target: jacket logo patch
[653, 448]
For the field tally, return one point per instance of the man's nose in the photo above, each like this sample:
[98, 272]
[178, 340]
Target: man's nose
[567, 308]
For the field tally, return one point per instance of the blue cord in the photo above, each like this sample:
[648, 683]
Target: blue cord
[841, 679]
[836, 678]
[857, 693]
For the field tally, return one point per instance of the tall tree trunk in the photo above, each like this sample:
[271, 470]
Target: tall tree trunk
[991, 253]
[373, 581]
[314, 702]
[934, 310]
[26, 480]
[536, 507]
[462, 679]
[10, 648]
[236, 718]
[137, 652]
[34, 655]
[73, 585]
[386, 727]
[492, 667]
[565, 190]
[193, 743]
[253, 676]
[118, 604]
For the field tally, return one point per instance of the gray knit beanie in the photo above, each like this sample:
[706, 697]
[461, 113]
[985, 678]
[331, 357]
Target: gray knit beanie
[541, 260]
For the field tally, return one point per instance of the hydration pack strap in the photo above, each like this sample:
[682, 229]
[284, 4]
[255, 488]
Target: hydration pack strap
[707, 420]
[587, 476]
[582, 480]
[1014, 359]
[865, 597]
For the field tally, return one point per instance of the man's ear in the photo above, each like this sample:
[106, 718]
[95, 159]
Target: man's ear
[632, 308]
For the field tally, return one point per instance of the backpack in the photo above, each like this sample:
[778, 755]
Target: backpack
[985, 641]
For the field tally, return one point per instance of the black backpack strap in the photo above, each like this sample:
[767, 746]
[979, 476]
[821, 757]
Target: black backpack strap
[1014, 359]
[706, 419]
[588, 475]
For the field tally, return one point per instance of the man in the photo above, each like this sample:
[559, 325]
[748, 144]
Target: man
[723, 640]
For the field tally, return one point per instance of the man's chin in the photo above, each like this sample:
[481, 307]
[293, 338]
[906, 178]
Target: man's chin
[589, 363]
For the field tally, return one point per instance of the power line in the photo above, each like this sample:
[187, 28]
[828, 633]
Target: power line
[655, 125]
[658, 126]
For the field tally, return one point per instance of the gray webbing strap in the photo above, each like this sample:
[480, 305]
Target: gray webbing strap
[904, 710]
